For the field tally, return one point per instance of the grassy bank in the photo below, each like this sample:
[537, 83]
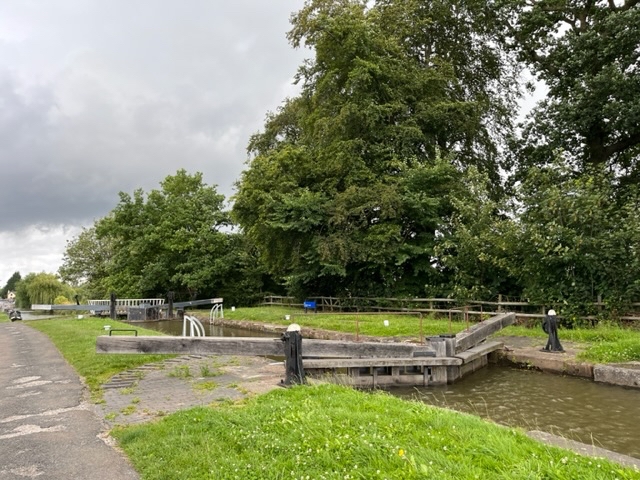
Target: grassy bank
[333, 432]
[318, 432]
[409, 325]
[604, 343]
[76, 340]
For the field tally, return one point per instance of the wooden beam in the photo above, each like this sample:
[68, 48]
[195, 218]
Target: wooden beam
[479, 351]
[379, 362]
[252, 346]
[479, 332]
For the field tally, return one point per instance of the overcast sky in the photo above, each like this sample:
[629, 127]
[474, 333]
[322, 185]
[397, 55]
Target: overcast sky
[98, 97]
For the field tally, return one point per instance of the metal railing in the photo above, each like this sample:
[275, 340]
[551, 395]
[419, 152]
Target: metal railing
[216, 312]
[195, 327]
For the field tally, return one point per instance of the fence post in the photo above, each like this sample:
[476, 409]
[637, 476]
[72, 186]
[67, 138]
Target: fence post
[112, 306]
[466, 315]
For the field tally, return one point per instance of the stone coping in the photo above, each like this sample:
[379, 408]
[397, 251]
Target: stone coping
[525, 352]
[584, 449]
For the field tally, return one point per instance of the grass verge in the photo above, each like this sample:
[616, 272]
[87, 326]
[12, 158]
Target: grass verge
[334, 432]
[76, 340]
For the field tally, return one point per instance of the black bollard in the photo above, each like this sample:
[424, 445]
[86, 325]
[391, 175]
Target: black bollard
[550, 327]
[294, 369]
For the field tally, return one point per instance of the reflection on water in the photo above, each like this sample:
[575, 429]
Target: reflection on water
[174, 327]
[572, 407]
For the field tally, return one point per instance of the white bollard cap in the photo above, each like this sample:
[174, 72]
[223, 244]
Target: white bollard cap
[551, 312]
[294, 327]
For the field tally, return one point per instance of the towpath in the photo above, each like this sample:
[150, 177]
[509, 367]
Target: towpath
[48, 429]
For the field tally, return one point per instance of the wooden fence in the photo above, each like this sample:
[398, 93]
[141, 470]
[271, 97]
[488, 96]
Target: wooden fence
[445, 306]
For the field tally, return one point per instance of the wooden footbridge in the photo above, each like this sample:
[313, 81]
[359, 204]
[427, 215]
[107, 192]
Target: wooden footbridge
[440, 360]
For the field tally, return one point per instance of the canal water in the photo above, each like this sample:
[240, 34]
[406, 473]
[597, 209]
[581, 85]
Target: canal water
[173, 327]
[572, 407]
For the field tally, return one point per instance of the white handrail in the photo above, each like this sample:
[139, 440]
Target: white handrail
[216, 312]
[195, 327]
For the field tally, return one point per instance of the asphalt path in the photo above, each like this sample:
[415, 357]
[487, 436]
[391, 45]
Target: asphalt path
[48, 429]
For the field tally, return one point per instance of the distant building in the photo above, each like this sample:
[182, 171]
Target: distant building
[11, 295]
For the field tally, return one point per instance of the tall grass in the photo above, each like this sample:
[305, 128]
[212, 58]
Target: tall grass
[333, 432]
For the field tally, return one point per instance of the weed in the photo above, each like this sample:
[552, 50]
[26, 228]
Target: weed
[205, 371]
[180, 371]
[205, 386]
[128, 410]
[242, 390]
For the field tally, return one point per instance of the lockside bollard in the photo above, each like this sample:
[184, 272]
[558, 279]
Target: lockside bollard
[294, 370]
[550, 327]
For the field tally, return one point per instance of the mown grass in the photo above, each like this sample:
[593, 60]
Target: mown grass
[76, 340]
[605, 343]
[4, 317]
[334, 432]
[362, 323]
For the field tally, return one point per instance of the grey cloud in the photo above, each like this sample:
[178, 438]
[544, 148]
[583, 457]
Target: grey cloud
[101, 97]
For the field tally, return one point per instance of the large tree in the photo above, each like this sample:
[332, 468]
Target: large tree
[41, 288]
[350, 182]
[579, 239]
[10, 286]
[170, 239]
[587, 53]
[86, 263]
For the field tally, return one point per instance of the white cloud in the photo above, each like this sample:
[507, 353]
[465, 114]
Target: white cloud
[33, 249]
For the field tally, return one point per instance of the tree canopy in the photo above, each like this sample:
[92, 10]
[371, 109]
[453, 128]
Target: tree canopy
[587, 54]
[41, 288]
[170, 239]
[350, 182]
[397, 169]
[10, 286]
